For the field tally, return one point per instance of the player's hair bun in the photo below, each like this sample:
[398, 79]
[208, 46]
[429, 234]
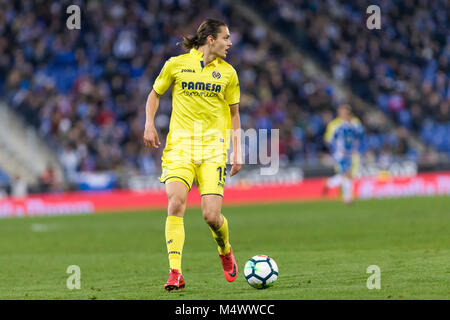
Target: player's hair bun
[206, 28]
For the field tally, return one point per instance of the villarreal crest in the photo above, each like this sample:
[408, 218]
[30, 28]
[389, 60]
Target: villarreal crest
[216, 74]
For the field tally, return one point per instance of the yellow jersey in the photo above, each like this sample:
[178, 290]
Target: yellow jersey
[334, 124]
[201, 95]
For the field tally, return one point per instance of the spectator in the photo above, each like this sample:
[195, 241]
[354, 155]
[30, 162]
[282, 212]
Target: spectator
[19, 187]
[84, 90]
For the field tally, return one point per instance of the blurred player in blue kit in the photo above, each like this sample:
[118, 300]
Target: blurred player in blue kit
[343, 137]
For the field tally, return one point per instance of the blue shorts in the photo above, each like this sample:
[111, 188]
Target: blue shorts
[344, 165]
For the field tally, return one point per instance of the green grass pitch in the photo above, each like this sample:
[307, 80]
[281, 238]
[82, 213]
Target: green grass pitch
[322, 250]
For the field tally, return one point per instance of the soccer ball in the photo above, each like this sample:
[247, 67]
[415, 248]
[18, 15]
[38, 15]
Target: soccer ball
[261, 271]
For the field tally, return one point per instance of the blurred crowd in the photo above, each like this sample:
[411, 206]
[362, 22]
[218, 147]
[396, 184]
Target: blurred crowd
[85, 90]
[403, 68]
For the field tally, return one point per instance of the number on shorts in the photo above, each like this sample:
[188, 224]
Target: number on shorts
[222, 173]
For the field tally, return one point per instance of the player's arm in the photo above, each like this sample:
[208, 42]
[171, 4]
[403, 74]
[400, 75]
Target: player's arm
[236, 139]
[360, 135]
[329, 133]
[162, 83]
[151, 138]
[232, 96]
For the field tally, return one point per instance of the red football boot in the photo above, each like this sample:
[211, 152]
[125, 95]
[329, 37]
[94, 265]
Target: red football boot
[175, 282]
[230, 268]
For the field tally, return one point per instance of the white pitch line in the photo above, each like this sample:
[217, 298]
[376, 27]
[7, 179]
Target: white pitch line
[39, 227]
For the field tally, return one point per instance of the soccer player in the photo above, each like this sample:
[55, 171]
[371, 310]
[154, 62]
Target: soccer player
[205, 106]
[343, 137]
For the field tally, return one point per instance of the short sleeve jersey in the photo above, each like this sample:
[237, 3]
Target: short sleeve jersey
[344, 137]
[201, 99]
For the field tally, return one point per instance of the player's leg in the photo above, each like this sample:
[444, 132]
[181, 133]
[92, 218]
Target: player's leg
[177, 190]
[330, 183]
[351, 168]
[347, 184]
[218, 224]
[347, 188]
[176, 194]
[334, 181]
[174, 231]
[211, 212]
[211, 180]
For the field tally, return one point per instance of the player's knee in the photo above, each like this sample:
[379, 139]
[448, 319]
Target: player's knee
[212, 218]
[176, 206]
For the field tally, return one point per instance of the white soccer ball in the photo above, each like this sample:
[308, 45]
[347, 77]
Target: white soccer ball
[261, 271]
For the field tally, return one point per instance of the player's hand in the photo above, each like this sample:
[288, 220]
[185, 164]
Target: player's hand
[151, 138]
[236, 163]
[235, 169]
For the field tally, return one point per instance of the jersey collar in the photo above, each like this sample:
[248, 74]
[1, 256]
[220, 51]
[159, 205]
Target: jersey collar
[198, 54]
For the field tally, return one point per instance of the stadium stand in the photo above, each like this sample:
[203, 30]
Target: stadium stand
[402, 68]
[85, 90]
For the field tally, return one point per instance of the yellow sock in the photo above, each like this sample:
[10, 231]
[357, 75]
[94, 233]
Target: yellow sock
[221, 237]
[175, 241]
